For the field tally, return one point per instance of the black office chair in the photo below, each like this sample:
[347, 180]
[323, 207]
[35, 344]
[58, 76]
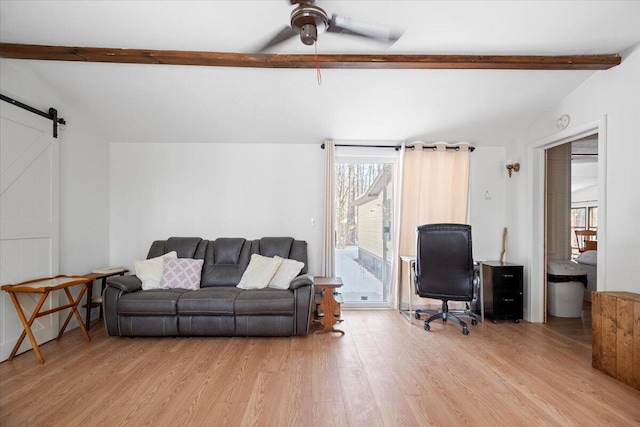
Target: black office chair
[444, 270]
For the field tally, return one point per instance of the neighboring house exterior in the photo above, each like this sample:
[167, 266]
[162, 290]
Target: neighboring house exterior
[374, 218]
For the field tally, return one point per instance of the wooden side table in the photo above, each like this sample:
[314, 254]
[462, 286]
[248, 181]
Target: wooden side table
[103, 283]
[328, 304]
[45, 286]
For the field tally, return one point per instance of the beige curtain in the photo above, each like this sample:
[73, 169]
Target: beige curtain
[327, 268]
[435, 187]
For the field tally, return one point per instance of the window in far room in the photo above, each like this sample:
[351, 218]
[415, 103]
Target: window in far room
[582, 218]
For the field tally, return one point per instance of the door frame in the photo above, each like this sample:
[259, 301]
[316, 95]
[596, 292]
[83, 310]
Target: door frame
[363, 154]
[538, 284]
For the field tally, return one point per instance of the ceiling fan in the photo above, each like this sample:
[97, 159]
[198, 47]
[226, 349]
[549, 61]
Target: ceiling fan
[309, 20]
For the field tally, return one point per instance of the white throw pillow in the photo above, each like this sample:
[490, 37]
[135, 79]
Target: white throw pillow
[289, 269]
[150, 270]
[259, 272]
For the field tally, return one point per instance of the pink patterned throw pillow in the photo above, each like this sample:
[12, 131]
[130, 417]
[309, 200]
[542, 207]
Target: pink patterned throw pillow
[183, 273]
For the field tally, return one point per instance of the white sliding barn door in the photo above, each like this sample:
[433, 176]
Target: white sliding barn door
[28, 219]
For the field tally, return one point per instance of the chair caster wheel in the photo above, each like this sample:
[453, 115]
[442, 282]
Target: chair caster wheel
[465, 331]
[427, 327]
[495, 321]
[517, 320]
[417, 316]
[474, 322]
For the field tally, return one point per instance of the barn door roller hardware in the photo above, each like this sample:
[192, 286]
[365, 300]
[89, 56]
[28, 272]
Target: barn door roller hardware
[52, 114]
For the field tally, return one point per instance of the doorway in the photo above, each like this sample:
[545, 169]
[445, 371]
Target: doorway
[570, 209]
[537, 296]
[364, 227]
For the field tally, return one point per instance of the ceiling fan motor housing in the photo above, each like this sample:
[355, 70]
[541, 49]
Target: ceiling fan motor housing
[309, 20]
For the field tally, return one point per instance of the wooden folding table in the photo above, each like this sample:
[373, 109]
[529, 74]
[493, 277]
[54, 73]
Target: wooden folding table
[45, 286]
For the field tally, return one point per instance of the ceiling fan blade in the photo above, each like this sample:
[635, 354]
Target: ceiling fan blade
[344, 25]
[285, 34]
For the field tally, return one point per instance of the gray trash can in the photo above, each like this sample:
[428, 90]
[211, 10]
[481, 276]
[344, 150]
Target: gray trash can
[566, 282]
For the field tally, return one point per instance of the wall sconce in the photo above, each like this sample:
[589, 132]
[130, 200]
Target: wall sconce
[512, 167]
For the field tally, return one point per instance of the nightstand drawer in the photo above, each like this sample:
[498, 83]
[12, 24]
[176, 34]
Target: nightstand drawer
[508, 305]
[508, 278]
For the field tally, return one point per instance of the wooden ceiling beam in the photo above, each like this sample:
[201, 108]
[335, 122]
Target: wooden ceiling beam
[326, 61]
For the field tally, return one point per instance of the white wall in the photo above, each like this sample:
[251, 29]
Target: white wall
[254, 190]
[584, 183]
[585, 197]
[84, 183]
[487, 180]
[615, 95]
[214, 190]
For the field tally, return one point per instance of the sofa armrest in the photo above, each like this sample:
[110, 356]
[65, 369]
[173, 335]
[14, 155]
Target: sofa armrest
[116, 286]
[302, 287]
[303, 280]
[125, 284]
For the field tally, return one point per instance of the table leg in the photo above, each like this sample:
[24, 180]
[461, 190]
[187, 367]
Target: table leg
[411, 281]
[329, 305]
[410, 266]
[102, 286]
[481, 292]
[400, 268]
[88, 311]
[26, 324]
[74, 310]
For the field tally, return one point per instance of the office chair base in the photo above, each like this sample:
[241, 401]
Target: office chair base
[465, 329]
[445, 314]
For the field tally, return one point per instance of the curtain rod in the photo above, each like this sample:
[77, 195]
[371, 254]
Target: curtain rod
[434, 148]
[51, 115]
[397, 147]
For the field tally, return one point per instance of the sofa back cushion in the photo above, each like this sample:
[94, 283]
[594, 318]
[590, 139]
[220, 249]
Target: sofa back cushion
[225, 261]
[186, 247]
[284, 247]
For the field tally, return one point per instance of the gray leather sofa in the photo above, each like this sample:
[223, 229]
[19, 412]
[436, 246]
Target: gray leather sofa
[218, 308]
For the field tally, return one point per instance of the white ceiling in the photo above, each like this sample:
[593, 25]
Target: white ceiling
[159, 103]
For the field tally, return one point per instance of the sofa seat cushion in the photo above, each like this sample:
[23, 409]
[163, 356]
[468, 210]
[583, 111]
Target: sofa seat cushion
[213, 301]
[150, 303]
[265, 301]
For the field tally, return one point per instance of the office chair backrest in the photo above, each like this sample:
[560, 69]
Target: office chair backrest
[444, 262]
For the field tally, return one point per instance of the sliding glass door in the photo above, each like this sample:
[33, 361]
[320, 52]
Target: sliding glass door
[364, 227]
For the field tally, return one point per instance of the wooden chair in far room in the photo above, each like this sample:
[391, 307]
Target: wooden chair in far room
[586, 240]
[444, 270]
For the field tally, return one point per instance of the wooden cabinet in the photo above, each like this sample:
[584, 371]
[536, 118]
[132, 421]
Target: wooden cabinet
[502, 290]
[616, 335]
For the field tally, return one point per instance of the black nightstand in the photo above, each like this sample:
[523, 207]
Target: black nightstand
[502, 290]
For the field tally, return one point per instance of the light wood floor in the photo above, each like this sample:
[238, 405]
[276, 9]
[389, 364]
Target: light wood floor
[578, 328]
[384, 371]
